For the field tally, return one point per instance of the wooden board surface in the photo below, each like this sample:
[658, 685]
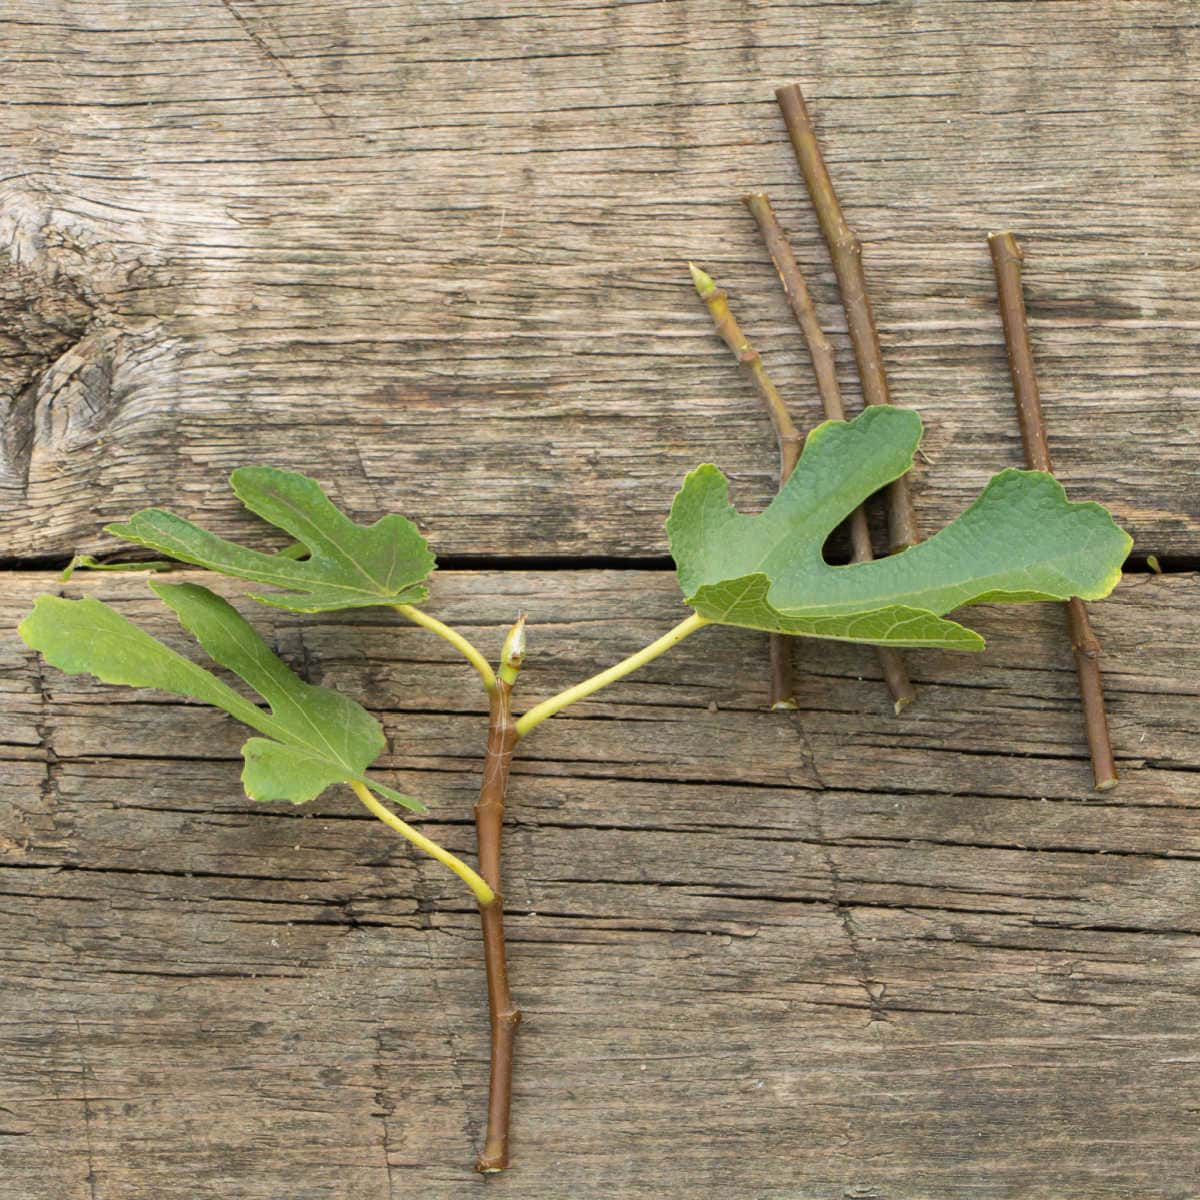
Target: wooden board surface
[435, 253]
[825, 954]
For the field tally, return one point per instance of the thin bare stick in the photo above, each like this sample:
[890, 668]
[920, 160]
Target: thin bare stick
[489, 821]
[791, 440]
[1006, 261]
[895, 673]
[801, 302]
[846, 253]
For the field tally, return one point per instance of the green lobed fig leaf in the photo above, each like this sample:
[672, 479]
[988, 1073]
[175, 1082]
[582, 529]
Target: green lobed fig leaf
[1021, 540]
[313, 737]
[348, 565]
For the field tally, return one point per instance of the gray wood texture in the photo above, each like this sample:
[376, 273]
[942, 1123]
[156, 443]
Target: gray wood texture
[435, 255]
[410, 247]
[829, 953]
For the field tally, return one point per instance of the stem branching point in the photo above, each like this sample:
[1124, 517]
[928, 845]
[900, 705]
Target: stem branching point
[547, 708]
[482, 891]
[456, 639]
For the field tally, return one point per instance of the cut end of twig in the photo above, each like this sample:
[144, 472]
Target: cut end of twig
[788, 90]
[705, 287]
[787, 704]
[1107, 785]
[1005, 243]
[895, 675]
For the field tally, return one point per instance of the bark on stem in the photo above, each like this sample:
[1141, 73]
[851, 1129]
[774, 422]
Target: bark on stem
[505, 1016]
[891, 662]
[1006, 261]
[791, 441]
[846, 253]
[800, 301]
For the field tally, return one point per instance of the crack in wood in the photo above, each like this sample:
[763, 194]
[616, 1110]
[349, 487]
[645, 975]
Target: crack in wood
[815, 891]
[89, 1147]
[260, 44]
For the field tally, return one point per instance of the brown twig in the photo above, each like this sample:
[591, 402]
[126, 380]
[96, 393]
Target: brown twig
[846, 253]
[1006, 261]
[895, 673]
[489, 821]
[801, 302]
[791, 441]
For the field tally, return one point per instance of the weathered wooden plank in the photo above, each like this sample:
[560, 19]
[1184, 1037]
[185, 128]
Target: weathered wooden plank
[826, 953]
[434, 253]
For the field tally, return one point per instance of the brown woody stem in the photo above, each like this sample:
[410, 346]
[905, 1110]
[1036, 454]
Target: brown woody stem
[791, 440]
[891, 662]
[489, 821]
[846, 253]
[1006, 261]
[801, 302]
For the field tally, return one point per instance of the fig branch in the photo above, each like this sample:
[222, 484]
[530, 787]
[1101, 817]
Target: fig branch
[503, 734]
[489, 824]
[790, 439]
[891, 662]
[1006, 263]
[846, 252]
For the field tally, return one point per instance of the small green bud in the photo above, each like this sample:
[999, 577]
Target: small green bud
[512, 653]
[705, 286]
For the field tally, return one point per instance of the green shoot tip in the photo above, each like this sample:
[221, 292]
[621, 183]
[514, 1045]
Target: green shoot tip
[703, 282]
[512, 653]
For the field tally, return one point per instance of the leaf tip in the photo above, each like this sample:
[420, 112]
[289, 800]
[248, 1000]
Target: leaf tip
[409, 802]
[30, 630]
[25, 630]
[248, 474]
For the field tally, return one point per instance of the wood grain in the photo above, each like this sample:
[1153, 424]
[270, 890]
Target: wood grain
[435, 253]
[828, 953]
